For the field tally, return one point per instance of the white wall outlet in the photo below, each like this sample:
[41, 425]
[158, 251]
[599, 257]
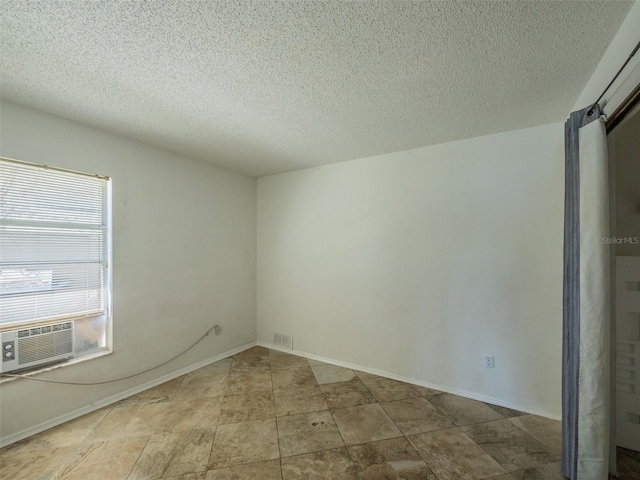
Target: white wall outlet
[216, 330]
[488, 361]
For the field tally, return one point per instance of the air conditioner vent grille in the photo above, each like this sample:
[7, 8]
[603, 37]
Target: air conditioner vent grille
[40, 347]
[35, 346]
[283, 340]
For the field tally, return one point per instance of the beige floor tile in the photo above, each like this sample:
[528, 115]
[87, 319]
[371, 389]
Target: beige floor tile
[346, 394]
[135, 421]
[334, 464]
[454, 456]
[464, 411]
[416, 415]
[316, 421]
[244, 408]
[504, 411]
[387, 390]
[307, 432]
[426, 392]
[365, 423]
[221, 367]
[283, 361]
[249, 382]
[545, 430]
[332, 374]
[509, 445]
[390, 459]
[253, 352]
[70, 433]
[188, 476]
[246, 442]
[161, 393]
[316, 362]
[91, 460]
[547, 472]
[198, 385]
[18, 449]
[31, 462]
[299, 377]
[172, 454]
[189, 414]
[362, 375]
[250, 364]
[294, 400]
[269, 470]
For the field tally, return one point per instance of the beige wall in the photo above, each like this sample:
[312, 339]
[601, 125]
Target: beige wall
[419, 263]
[184, 244]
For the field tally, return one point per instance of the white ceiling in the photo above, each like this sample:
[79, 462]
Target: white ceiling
[264, 87]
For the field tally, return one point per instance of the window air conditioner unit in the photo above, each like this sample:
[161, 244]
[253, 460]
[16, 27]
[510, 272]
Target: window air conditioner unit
[33, 346]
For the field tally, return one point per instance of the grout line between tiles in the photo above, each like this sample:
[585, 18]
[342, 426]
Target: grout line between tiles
[532, 435]
[275, 412]
[139, 455]
[317, 386]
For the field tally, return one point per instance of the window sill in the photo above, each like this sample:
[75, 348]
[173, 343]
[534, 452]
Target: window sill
[68, 363]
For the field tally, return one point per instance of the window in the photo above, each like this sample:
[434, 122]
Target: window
[54, 252]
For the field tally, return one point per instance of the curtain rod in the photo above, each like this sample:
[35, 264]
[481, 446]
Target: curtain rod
[49, 167]
[635, 50]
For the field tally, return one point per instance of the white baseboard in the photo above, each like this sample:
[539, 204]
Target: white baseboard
[54, 422]
[421, 383]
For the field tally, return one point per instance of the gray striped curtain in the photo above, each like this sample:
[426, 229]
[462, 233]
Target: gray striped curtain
[586, 328]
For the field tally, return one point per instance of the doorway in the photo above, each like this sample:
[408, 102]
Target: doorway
[624, 161]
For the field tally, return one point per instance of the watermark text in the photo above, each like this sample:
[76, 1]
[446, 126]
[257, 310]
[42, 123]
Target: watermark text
[621, 240]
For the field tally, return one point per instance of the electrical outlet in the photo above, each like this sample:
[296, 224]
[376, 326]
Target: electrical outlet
[216, 330]
[488, 361]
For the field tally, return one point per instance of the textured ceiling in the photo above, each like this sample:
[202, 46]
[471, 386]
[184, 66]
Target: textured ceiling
[270, 86]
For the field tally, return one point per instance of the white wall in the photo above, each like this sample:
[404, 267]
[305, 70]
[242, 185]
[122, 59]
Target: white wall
[419, 263]
[619, 49]
[184, 246]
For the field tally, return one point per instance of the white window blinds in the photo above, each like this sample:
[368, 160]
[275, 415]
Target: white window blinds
[52, 243]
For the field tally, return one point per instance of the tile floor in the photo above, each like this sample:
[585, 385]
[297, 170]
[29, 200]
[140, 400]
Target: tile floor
[268, 415]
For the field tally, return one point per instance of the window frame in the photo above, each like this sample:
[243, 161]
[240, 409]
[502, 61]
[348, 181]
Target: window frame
[107, 219]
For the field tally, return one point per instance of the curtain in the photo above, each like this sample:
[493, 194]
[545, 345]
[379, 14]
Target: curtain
[586, 324]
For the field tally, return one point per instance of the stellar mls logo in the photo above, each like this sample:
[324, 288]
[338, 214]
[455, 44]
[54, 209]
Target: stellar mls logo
[621, 240]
